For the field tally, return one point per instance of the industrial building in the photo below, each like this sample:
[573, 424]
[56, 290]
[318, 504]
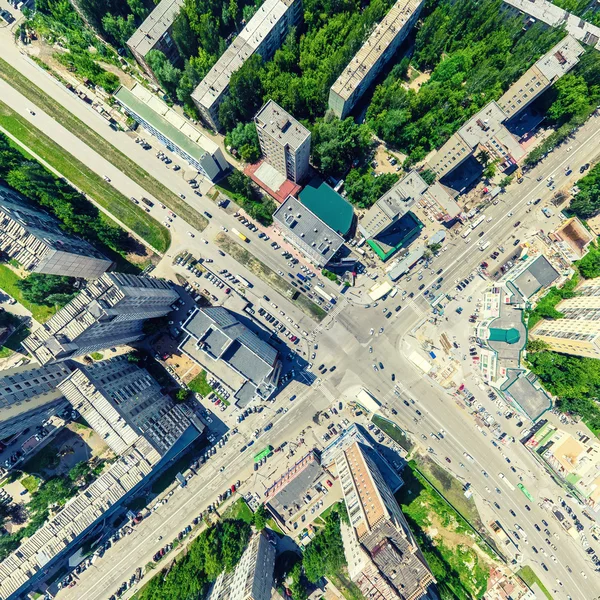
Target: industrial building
[263, 35]
[284, 142]
[252, 578]
[155, 34]
[29, 395]
[38, 243]
[368, 62]
[172, 130]
[486, 130]
[528, 277]
[231, 352]
[306, 232]
[121, 402]
[383, 558]
[110, 311]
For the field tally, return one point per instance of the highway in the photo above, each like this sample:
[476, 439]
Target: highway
[343, 342]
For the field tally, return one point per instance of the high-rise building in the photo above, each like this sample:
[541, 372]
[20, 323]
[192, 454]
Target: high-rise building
[263, 35]
[284, 142]
[29, 394]
[383, 558]
[252, 579]
[368, 62]
[155, 34]
[36, 241]
[108, 312]
[122, 402]
[578, 333]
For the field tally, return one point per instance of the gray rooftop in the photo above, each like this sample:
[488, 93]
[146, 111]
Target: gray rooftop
[539, 274]
[222, 336]
[303, 224]
[560, 59]
[524, 390]
[210, 89]
[372, 50]
[404, 264]
[278, 123]
[154, 27]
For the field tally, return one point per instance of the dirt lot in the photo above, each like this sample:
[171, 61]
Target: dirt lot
[381, 156]
[184, 367]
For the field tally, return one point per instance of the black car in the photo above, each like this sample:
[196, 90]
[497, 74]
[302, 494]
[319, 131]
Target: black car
[512, 512]
[381, 365]
[332, 369]
[388, 315]
[440, 271]
[406, 402]
[322, 367]
[394, 411]
[537, 527]
[266, 298]
[497, 505]
[398, 308]
[393, 377]
[419, 413]
[421, 286]
[207, 214]
[516, 242]
[7, 16]
[411, 295]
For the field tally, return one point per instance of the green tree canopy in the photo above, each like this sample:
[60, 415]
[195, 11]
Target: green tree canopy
[47, 289]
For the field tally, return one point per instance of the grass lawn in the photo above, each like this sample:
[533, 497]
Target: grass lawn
[349, 589]
[13, 343]
[97, 355]
[200, 385]
[87, 135]
[8, 283]
[395, 432]
[46, 458]
[239, 510]
[90, 183]
[246, 258]
[529, 577]
[31, 483]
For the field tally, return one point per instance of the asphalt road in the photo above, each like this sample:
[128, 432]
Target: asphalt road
[343, 341]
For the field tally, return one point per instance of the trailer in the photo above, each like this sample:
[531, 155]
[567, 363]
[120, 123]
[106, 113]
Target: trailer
[244, 281]
[239, 234]
[325, 295]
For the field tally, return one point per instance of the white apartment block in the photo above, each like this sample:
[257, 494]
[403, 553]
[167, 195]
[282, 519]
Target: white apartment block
[264, 34]
[569, 336]
[36, 241]
[252, 578]
[122, 402]
[29, 394]
[109, 312]
[284, 142]
[368, 62]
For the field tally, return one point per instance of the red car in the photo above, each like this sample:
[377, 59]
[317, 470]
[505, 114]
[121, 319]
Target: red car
[448, 460]
[328, 482]
[227, 290]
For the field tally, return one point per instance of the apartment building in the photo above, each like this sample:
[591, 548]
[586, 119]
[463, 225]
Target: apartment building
[284, 142]
[263, 35]
[304, 230]
[223, 346]
[155, 34]
[173, 131]
[487, 131]
[37, 242]
[368, 62]
[252, 579]
[383, 558]
[29, 395]
[109, 312]
[122, 402]
[569, 336]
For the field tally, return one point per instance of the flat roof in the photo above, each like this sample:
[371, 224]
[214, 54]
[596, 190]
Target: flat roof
[301, 222]
[328, 205]
[166, 120]
[560, 59]
[279, 124]
[531, 398]
[154, 26]
[216, 81]
[374, 48]
[540, 273]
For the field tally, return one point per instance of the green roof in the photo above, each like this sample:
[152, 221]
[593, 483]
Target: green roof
[328, 205]
[132, 102]
[509, 336]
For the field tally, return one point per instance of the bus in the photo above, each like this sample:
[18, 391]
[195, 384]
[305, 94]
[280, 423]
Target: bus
[240, 235]
[300, 277]
[263, 453]
[467, 232]
[243, 281]
[478, 222]
[525, 491]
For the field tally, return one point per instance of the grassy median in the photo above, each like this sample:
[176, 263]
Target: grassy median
[528, 575]
[90, 183]
[87, 135]
[269, 276]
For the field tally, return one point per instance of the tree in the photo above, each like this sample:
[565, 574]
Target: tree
[166, 74]
[80, 471]
[120, 29]
[297, 586]
[40, 288]
[505, 181]
[537, 346]
[182, 395]
[325, 553]
[429, 176]
[572, 98]
[336, 144]
[244, 139]
[589, 265]
[260, 517]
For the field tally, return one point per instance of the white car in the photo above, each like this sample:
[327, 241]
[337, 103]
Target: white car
[191, 234]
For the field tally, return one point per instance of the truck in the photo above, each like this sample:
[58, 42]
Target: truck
[483, 246]
[393, 292]
[325, 295]
[147, 202]
[467, 232]
[478, 222]
[508, 484]
[239, 234]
